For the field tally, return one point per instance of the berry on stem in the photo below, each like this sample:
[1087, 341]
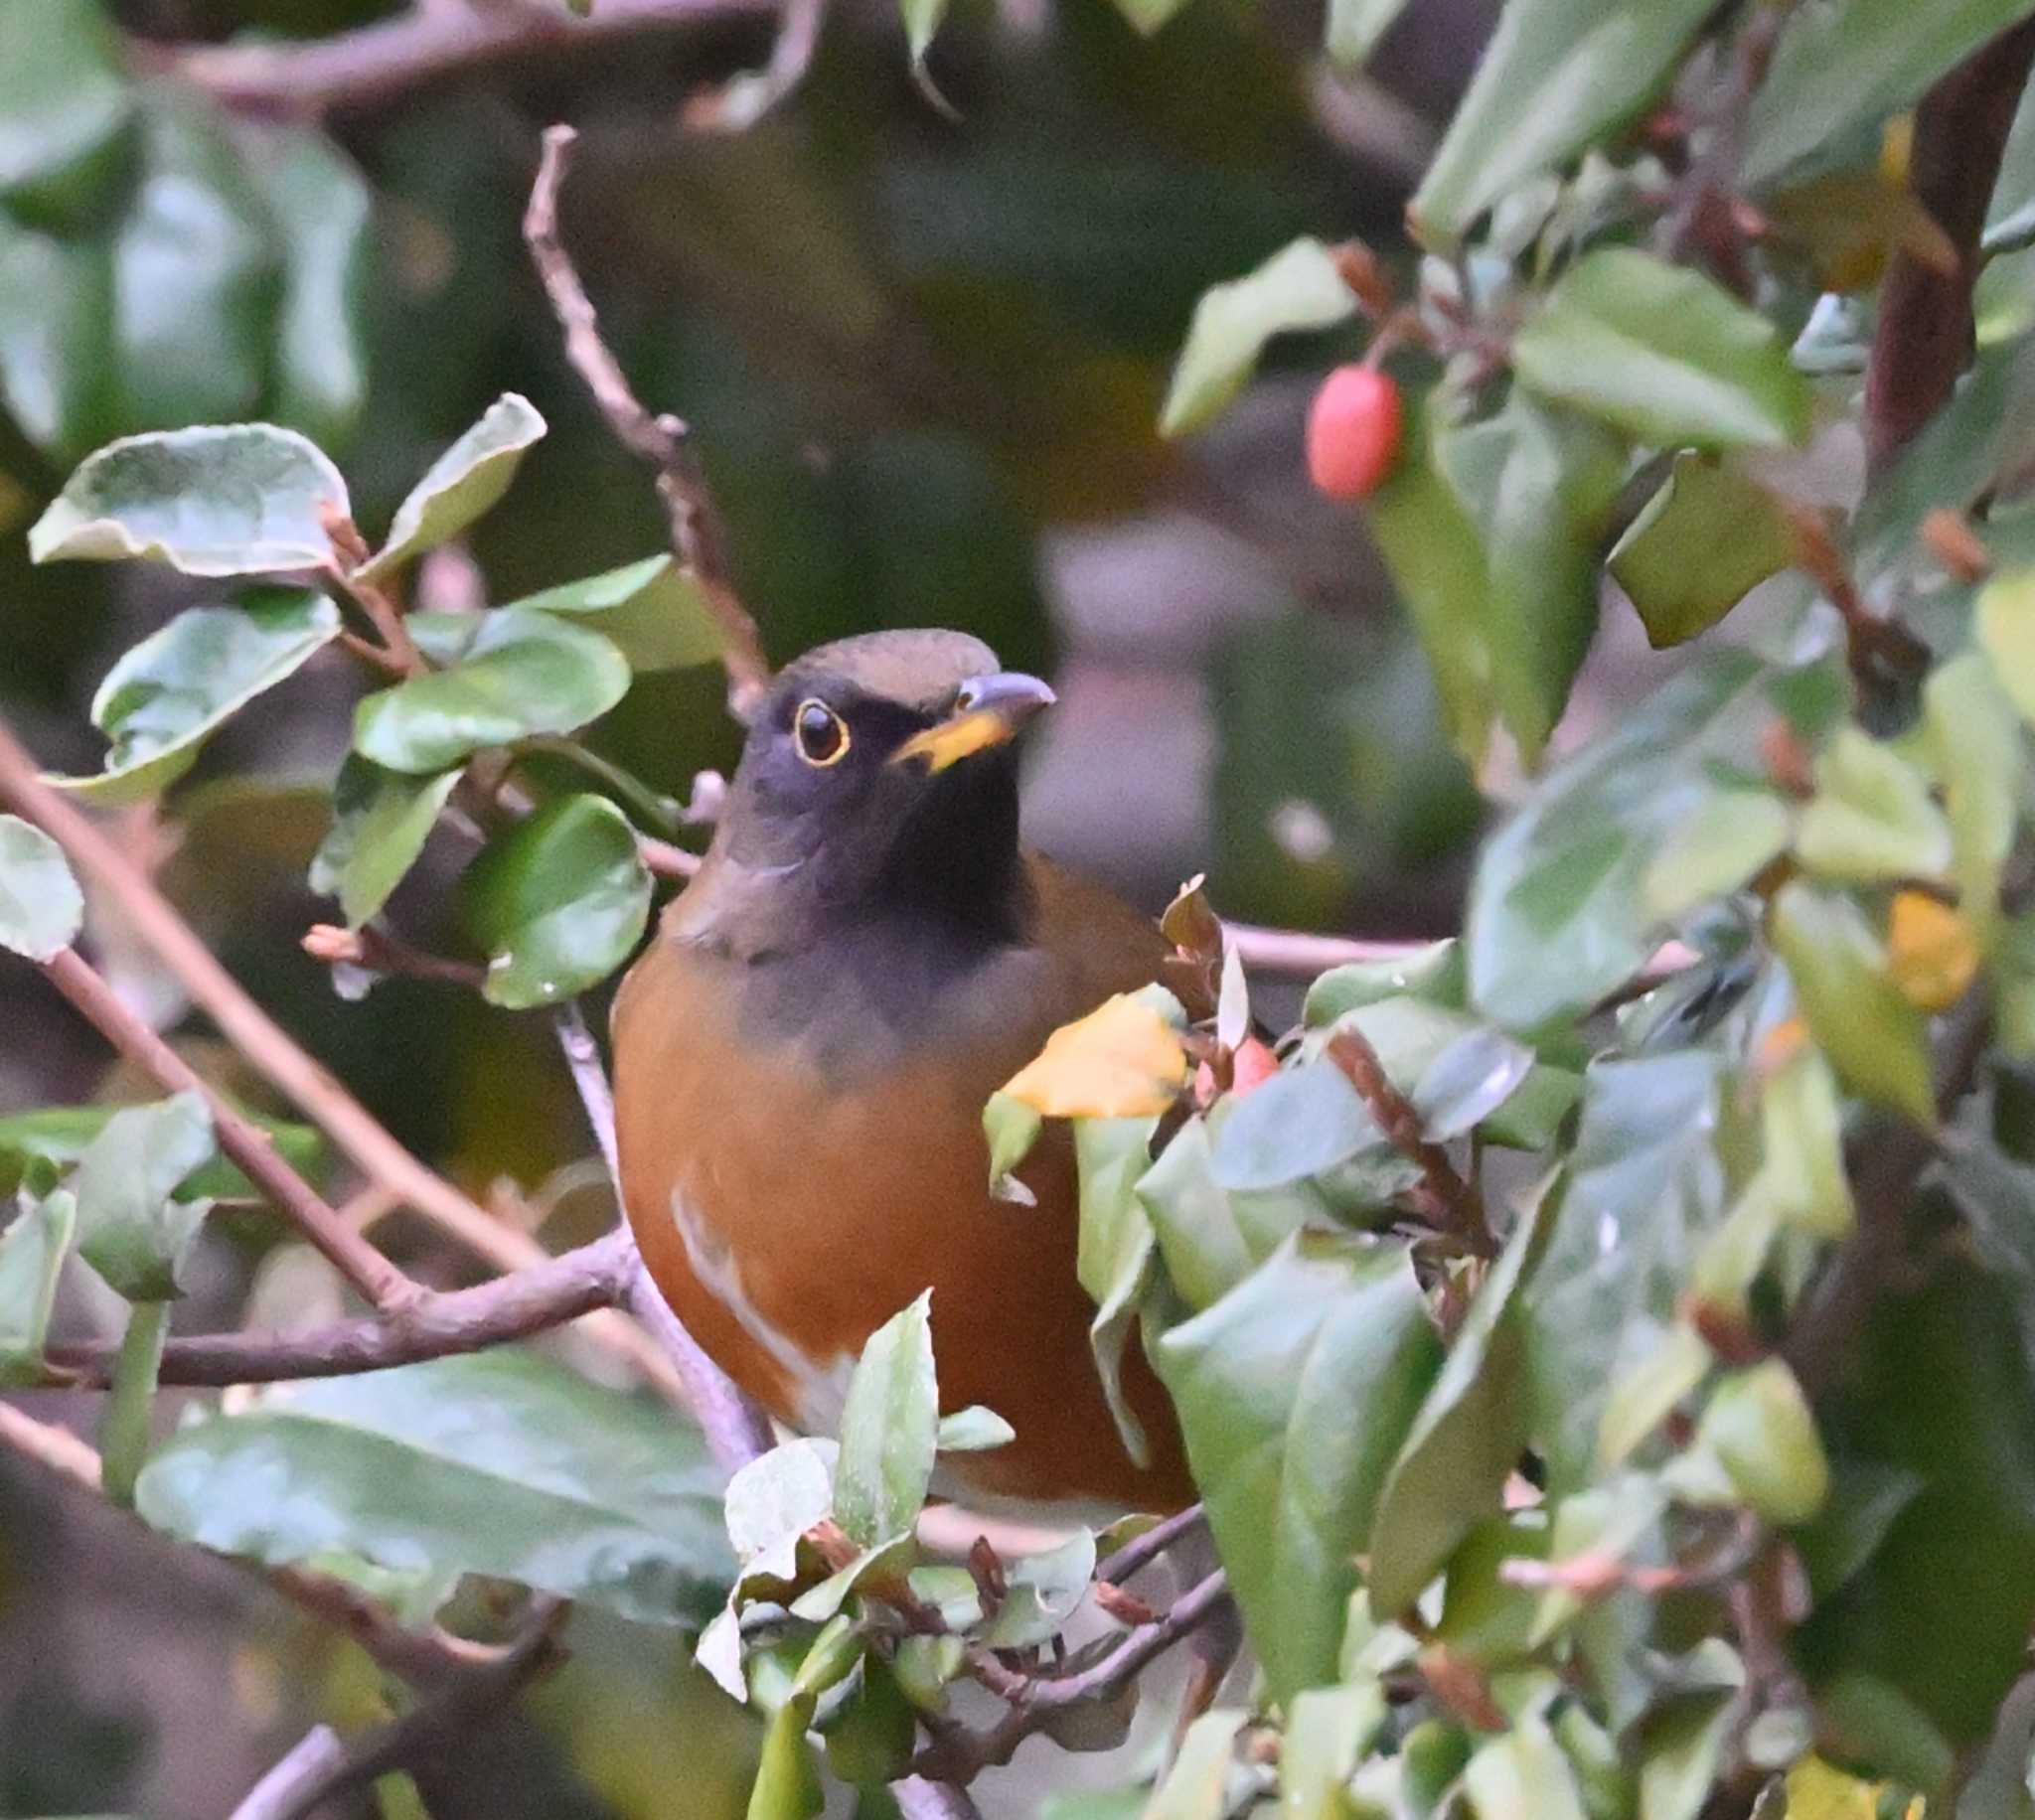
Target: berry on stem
[1353, 430]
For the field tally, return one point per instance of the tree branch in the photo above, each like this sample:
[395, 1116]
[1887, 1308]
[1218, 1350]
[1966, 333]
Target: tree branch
[663, 442]
[1924, 335]
[375, 64]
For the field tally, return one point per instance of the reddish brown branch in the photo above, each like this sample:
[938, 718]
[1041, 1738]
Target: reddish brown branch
[1923, 334]
[1447, 1200]
[663, 442]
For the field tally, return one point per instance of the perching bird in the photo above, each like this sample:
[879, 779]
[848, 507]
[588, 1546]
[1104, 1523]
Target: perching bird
[802, 1053]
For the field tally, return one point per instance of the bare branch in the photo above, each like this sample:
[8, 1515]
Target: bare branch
[305, 1773]
[1141, 1551]
[375, 64]
[742, 100]
[663, 442]
[1297, 951]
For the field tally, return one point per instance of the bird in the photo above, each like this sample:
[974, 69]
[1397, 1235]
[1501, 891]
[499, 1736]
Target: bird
[803, 1052]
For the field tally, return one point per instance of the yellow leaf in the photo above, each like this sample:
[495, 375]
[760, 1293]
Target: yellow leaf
[1931, 951]
[1123, 1061]
[1816, 1791]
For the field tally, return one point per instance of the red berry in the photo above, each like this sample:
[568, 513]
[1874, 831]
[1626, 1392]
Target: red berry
[1354, 432]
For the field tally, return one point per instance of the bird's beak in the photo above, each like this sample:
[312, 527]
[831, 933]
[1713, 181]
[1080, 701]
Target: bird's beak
[987, 711]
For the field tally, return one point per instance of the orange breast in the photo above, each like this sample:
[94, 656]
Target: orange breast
[786, 1216]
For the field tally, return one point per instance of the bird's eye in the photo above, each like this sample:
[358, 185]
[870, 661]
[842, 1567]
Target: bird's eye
[820, 734]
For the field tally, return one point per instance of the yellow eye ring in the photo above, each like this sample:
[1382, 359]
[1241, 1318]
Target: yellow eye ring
[820, 734]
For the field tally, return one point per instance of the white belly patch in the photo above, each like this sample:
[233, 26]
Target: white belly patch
[819, 1388]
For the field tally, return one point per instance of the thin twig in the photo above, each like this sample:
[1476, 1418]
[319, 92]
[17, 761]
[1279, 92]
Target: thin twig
[435, 1326]
[375, 64]
[318, 1773]
[1449, 1202]
[590, 1079]
[958, 1757]
[739, 104]
[664, 442]
[380, 1281]
[1303, 954]
[1142, 1551]
[377, 951]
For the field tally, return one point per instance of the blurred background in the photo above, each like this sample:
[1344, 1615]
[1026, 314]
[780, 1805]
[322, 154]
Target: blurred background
[922, 356]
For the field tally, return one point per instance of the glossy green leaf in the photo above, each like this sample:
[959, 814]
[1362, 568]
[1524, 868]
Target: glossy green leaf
[1539, 483]
[65, 104]
[1357, 26]
[1663, 353]
[381, 820]
[1297, 289]
[54, 303]
[1193, 1218]
[32, 1253]
[57, 1136]
[1556, 76]
[1974, 750]
[1115, 1254]
[1434, 973]
[1305, 1120]
[130, 1228]
[1839, 69]
[322, 211]
[975, 1429]
[1196, 1787]
[1644, 1187]
[1872, 1035]
[194, 274]
[168, 694]
[1700, 545]
[130, 1402]
[652, 611]
[890, 1431]
[1758, 1427]
[1435, 550]
[1731, 838]
[558, 903]
[1681, 1750]
[466, 482]
[1559, 914]
[523, 673]
[239, 500]
[1295, 1392]
[1460, 1072]
[1523, 1775]
[1469, 1080]
[498, 1462]
[40, 906]
[1465, 1440]
[1871, 817]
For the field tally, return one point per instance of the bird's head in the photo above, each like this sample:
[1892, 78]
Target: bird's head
[880, 775]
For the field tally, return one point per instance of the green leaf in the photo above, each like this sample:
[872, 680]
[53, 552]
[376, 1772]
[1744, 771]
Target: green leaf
[1558, 75]
[65, 105]
[1539, 482]
[322, 212]
[1196, 1787]
[1802, 1134]
[1700, 545]
[498, 1462]
[32, 1253]
[1523, 1775]
[40, 906]
[1871, 817]
[57, 1136]
[1558, 911]
[921, 21]
[1872, 1035]
[890, 1431]
[1435, 552]
[1469, 1080]
[1328, 1730]
[1011, 1126]
[462, 485]
[1115, 1252]
[1298, 288]
[1357, 26]
[1643, 1397]
[1681, 1750]
[130, 1400]
[1664, 354]
[870, 1735]
[1645, 1186]
[195, 273]
[130, 1229]
[652, 612]
[787, 1785]
[1147, 16]
[558, 903]
[1839, 69]
[381, 820]
[1045, 1590]
[168, 694]
[1465, 1440]
[1301, 1122]
[1974, 750]
[523, 673]
[1294, 1393]
[1434, 973]
[974, 1430]
[1727, 842]
[1757, 1426]
[56, 299]
[240, 500]
[2005, 624]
